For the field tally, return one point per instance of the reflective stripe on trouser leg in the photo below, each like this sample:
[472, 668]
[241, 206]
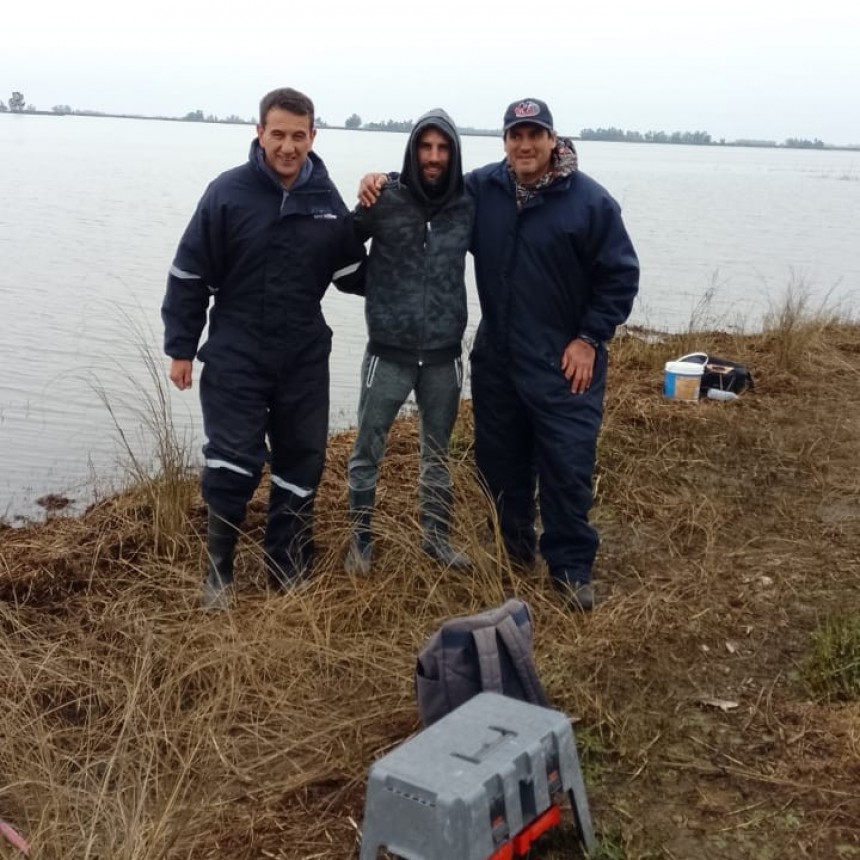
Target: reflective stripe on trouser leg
[235, 414]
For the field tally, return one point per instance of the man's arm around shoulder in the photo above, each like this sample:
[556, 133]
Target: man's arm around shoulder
[350, 270]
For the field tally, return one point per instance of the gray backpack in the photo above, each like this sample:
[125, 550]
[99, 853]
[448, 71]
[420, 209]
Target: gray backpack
[488, 652]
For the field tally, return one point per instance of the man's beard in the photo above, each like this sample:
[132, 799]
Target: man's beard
[435, 185]
[433, 181]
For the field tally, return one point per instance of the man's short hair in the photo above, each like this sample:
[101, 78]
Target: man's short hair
[288, 99]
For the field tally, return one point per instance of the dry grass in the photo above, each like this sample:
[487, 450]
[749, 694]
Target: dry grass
[136, 727]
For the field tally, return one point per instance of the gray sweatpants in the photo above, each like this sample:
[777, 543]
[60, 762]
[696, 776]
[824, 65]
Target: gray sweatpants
[385, 385]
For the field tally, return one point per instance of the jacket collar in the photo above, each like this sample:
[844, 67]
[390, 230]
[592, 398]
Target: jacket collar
[313, 170]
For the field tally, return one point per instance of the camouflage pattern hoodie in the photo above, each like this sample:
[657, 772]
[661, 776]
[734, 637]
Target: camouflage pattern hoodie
[415, 303]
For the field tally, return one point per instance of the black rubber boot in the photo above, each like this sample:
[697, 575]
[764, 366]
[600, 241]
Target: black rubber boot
[289, 543]
[576, 588]
[222, 535]
[360, 553]
[436, 505]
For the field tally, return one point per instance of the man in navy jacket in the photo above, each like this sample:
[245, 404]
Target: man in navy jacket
[265, 242]
[556, 273]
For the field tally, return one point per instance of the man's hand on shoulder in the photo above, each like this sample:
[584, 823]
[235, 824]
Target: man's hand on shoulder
[180, 373]
[370, 187]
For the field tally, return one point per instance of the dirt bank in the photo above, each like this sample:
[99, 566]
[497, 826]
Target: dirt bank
[136, 727]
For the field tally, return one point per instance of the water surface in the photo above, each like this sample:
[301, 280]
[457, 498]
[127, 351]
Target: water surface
[91, 210]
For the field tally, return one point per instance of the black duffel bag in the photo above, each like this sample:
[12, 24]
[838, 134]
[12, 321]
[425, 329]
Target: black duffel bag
[720, 373]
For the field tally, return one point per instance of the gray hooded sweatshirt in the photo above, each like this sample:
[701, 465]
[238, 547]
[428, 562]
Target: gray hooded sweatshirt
[415, 302]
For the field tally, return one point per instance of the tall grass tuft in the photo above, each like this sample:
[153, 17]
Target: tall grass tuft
[158, 462]
[794, 326]
[833, 668]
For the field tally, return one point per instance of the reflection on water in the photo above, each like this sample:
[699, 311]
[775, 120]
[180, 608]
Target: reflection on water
[88, 228]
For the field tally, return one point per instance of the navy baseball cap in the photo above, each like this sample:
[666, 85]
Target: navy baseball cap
[528, 110]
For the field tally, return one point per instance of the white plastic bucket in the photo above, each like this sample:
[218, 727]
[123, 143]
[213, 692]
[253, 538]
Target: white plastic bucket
[682, 380]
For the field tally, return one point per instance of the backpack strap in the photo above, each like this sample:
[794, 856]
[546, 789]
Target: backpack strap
[488, 659]
[518, 648]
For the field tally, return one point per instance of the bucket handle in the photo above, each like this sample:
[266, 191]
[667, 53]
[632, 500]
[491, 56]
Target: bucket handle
[697, 357]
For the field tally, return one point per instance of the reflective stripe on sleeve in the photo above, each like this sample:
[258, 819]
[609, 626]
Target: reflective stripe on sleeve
[183, 275]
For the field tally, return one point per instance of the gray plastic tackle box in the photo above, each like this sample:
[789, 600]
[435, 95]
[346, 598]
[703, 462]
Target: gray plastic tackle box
[478, 784]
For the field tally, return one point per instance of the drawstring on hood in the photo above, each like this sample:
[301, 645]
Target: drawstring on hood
[410, 176]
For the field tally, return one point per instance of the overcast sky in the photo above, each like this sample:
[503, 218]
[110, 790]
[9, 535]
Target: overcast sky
[734, 68]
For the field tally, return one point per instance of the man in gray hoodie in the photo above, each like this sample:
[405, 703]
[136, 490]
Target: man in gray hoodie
[416, 315]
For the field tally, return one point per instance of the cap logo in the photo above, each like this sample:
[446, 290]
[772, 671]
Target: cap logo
[525, 110]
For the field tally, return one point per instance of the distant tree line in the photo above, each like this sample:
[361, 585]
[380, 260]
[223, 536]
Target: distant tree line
[696, 138]
[354, 121]
[692, 138]
[18, 104]
[199, 116]
[803, 143]
[390, 125]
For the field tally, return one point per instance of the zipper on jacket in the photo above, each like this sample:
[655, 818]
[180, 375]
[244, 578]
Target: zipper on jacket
[428, 229]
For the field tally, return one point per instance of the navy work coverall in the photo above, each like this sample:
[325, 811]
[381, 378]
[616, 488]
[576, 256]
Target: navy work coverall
[267, 256]
[561, 267]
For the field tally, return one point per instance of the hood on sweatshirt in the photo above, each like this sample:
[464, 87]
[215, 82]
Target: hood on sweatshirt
[410, 176]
